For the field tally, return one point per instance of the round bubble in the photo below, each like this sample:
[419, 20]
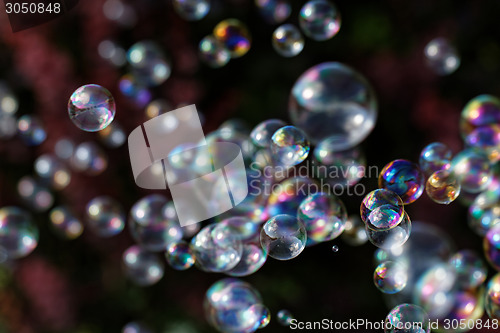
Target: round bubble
[274, 11]
[179, 255]
[234, 35]
[192, 10]
[64, 223]
[441, 56]
[53, 171]
[283, 237]
[91, 108]
[492, 297]
[8, 101]
[472, 169]
[262, 133]
[335, 248]
[331, 100]
[214, 52]
[487, 139]
[89, 158]
[157, 107]
[442, 187]
[266, 315]
[284, 317]
[354, 231]
[31, 130]
[105, 216]
[390, 277]
[287, 195]
[8, 126]
[480, 111]
[319, 19]
[434, 157]
[403, 178]
[253, 257]
[484, 212]
[390, 238]
[148, 63]
[491, 245]
[407, 318]
[142, 267]
[382, 210]
[136, 327]
[18, 233]
[290, 146]
[36, 195]
[288, 40]
[113, 136]
[64, 149]
[470, 269]
[131, 87]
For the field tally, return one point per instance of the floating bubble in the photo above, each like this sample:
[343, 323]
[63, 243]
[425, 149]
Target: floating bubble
[492, 297]
[64, 223]
[284, 317]
[112, 52]
[354, 231]
[262, 134]
[331, 100]
[390, 238]
[442, 187]
[8, 126]
[136, 327]
[18, 233]
[253, 257]
[148, 63]
[283, 237]
[288, 40]
[274, 11]
[390, 277]
[491, 245]
[484, 212]
[319, 19]
[467, 307]
[472, 169]
[403, 178]
[105, 216]
[470, 269]
[131, 87]
[91, 108]
[88, 157]
[335, 248]
[53, 171]
[266, 316]
[142, 267]
[179, 255]
[482, 110]
[441, 56]
[120, 12]
[434, 157]
[35, 194]
[290, 146]
[287, 195]
[382, 210]
[234, 35]
[407, 318]
[8, 101]
[113, 136]
[157, 107]
[31, 130]
[64, 149]
[213, 52]
[192, 10]
[487, 139]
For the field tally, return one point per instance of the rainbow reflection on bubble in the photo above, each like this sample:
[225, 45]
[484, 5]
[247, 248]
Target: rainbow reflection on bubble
[442, 187]
[382, 210]
[480, 111]
[179, 255]
[390, 277]
[234, 35]
[491, 245]
[403, 178]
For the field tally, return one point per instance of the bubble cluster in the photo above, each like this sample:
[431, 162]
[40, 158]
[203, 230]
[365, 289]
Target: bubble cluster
[407, 318]
[382, 210]
[31, 130]
[484, 212]
[18, 233]
[487, 139]
[105, 216]
[403, 178]
[192, 10]
[262, 134]
[234, 35]
[472, 169]
[390, 277]
[288, 40]
[179, 255]
[283, 237]
[491, 244]
[142, 267]
[434, 157]
[290, 146]
[65, 223]
[213, 52]
[442, 187]
[441, 56]
[319, 19]
[482, 110]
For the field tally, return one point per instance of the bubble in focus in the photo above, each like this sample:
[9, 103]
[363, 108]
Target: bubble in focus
[382, 209]
[442, 187]
[491, 245]
[149, 65]
[91, 108]
[18, 233]
[344, 168]
[492, 297]
[105, 216]
[290, 146]
[288, 40]
[113, 136]
[469, 268]
[274, 11]
[354, 231]
[390, 277]
[142, 267]
[36, 195]
[331, 100]
[136, 327]
[53, 171]
[64, 223]
[482, 110]
[192, 10]
[234, 35]
[31, 130]
[284, 317]
[262, 134]
[324, 216]
[407, 318]
[403, 178]
[441, 56]
[213, 52]
[391, 238]
[89, 158]
[283, 237]
[319, 19]
[472, 169]
[434, 157]
[179, 255]
[484, 212]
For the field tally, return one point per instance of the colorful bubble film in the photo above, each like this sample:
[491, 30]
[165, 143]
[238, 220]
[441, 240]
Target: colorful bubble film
[283, 237]
[403, 178]
[382, 210]
[442, 187]
[289, 145]
[390, 277]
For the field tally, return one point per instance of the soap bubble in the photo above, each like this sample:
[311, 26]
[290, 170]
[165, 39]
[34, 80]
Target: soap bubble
[407, 318]
[88, 157]
[213, 52]
[288, 40]
[8, 126]
[262, 133]
[158, 107]
[472, 169]
[484, 212]
[441, 56]
[491, 244]
[131, 87]
[434, 157]
[382, 209]
[18, 233]
[112, 52]
[266, 316]
[335, 248]
[442, 187]
[91, 108]
[253, 257]
[105, 216]
[354, 231]
[470, 269]
[179, 255]
[287, 195]
[390, 277]
[492, 297]
[142, 267]
[34, 194]
[113, 136]
[64, 149]
[192, 10]
[8, 101]
[480, 111]
[487, 139]
[319, 19]
[284, 317]
[331, 100]
[403, 178]
[290, 146]
[136, 327]
[324, 217]
[148, 63]
[274, 11]
[53, 171]
[234, 35]
[31, 130]
[390, 238]
[64, 223]
[283, 237]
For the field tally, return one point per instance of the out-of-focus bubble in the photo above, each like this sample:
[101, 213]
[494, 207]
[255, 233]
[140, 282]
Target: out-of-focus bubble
[253, 257]
[283, 237]
[290, 146]
[35, 194]
[407, 318]
[434, 157]
[320, 20]
[91, 108]
[8, 126]
[403, 178]
[382, 210]
[246, 228]
[235, 125]
[442, 187]
[214, 52]
[105, 216]
[192, 10]
[190, 230]
[179, 255]
[131, 87]
[274, 11]
[284, 317]
[142, 267]
[470, 269]
[286, 196]
[113, 136]
[491, 244]
[391, 238]
[51, 170]
[482, 110]
[8, 101]
[484, 212]
[492, 297]
[472, 169]
[234, 35]
[262, 133]
[89, 158]
[112, 52]
[266, 316]
[18, 233]
[148, 63]
[331, 100]
[288, 40]
[149, 225]
[120, 12]
[335, 248]
[324, 217]
[487, 139]
[354, 231]
[64, 149]
[390, 277]
[64, 223]
[31, 130]
[157, 107]
[441, 56]
[468, 307]
[136, 327]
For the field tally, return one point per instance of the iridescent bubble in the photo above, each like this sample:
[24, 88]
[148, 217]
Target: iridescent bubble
[131, 87]
[442, 187]
[290, 146]
[192, 10]
[491, 245]
[331, 100]
[354, 231]
[31, 130]
[149, 225]
[288, 40]
[266, 316]
[157, 107]
[407, 318]
[284, 317]
[136, 327]
[283, 237]
[274, 11]
[88, 157]
[324, 216]
[113, 136]
[214, 52]
[53, 171]
[253, 257]
[8, 101]
[286, 196]
[391, 238]
[246, 228]
[468, 307]
[262, 133]
[480, 111]
[484, 212]
[35, 194]
[390, 277]
[403, 178]
[472, 169]
[179, 255]
[18, 233]
[234, 35]
[148, 63]
[382, 210]
[470, 269]
[105, 216]
[441, 56]
[64, 223]
[319, 19]
[91, 108]
[142, 267]
[487, 139]
[492, 297]
[335, 248]
[434, 157]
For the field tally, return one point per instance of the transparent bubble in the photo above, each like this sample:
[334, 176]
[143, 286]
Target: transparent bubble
[382, 210]
[468, 307]
[262, 133]
[482, 110]
[65, 223]
[120, 12]
[179, 255]
[391, 238]
[131, 86]
[8, 101]
[283, 237]
[331, 100]
[320, 20]
[288, 40]
[213, 52]
[52, 171]
[31, 130]
[105, 216]
[390, 277]
[64, 149]
[91, 108]
[441, 56]
[407, 318]
[469, 268]
[142, 267]
[8, 126]
[492, 297]
[148, 63]
[403, 178]
[274, 11]
[89, 158]
[354, 231]
[290, 146]
[253, 257]
[18, 232]
[235, 125]
[472, 169]
[284, 317]
[246, 228]
[487, 139]
[491, 245]
[484, 212]
[335, 248]
[36, 195]
[287, 195]
[150, 226]
[234, 35]
[157, 107]
[136, 327]
[192, 10]
[442, 187]
[324, 217]
[266, 316]
[434, 157]
[112, 52]
[113, 136]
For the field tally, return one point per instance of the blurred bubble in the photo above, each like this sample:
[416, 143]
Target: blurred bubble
[64, 223]
[319, 19]
[35, 194]
[492, 297]
[253, 257]
[265, 317]
[142, 267]
[283, 237]
[234, 35]
[407, 318]
[354, 231]
[335, 248]
[105, 216]
[148, 63]
[290, 146]
[53, 171]
[470, 269]
[484, 212]
[274, 11]
[131, 87]
[190, 230]
[18, 232]
[214, 52]
[472, 169]
[441, 56]
[288, 40]
[235, 125]
[110, 51]
[442, 187]
[390, 277]
[31, 130]
[487, 139]
[391, 238]
[120, 12]
[482, 110]
[64, 149]
[192, 10]
[136, 327]
[8, 101]
[284, 317]
[8, 126]
[113, 136]
[262, 133]
[403, 178]
[491, 244]
[467, 307]
[434, 157]
[91, 108]
[382, 210]
[88, 157]
[179, 255]
[157, 107]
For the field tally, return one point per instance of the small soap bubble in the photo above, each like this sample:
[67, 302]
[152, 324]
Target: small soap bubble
[179, 255]
[491, 245]
[287, 195]
[390, 277]
[105, 216]
[91, 108]
[283, 237]
[136, 327]
[8, 101]
[288, 40]
[472, 169]
[320, 20]
[113, 136]
[482, 110]
[64, 149]
[262, 134]
[492, 297]
[354, 232]
[131, 87]
[31, 130]
[234, 35]
[18, 232]
[469, 268]
[290, 145]
[441, 56]
[487, 139]
[434, 157]
[214, 52]
[157, 107]
[335, 248]
[274, 11]
[142, 267]
[36, 195]
[52, 171]
[403, 178]
[148, 63]
[284, 317]
[89, 158]
[64, 223]
[442, 187]
[382, 210]
[484, 212]
[391, 238]
[407, 318]
[192, 10]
